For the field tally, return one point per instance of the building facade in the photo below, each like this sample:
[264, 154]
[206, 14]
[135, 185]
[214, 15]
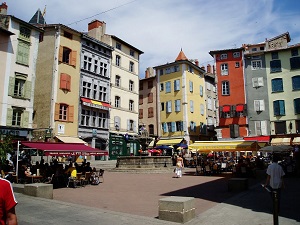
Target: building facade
[18, 52]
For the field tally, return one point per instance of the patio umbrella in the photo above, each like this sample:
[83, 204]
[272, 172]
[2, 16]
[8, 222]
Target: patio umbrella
[163, 147]
[182, 145]
[276, 148]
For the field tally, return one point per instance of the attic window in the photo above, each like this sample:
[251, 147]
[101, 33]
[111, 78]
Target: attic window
[68, 35]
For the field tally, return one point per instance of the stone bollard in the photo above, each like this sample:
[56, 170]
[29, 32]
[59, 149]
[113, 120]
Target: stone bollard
[39, 190]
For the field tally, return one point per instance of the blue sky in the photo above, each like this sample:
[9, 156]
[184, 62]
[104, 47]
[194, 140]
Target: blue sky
[160, 28]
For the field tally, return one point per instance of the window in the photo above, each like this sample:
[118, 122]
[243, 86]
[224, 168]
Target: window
[177, 85]
[294, 52]
[140, 113]
[280, 127]
[234, 130]
[297, 105]
[150, 84]
[161, 86]
[254, 49]
[201, 90]
[117, 102]
[259, 105]
[150, 112]
[179, 125]
[118, 46]
[257, 82]
[209, 103]
[23, 52]
[130, 125]
[86, 89]
[131, 52]
[65, 82]
[256, 64]
[191, 70]
[68, 35]
[102, 93]
[141, 99]
[279, 108]
[237, 64]
[274, 55]
[296, 82]
[162, 106]
[151, 129]
[25, 33]
[118, 81]
[177, 105]
[17, 116]
[95, 91]
[191, 106]
[295, 62]
[168, 87]
[131, 85]
[260, 128]
[118, 60]
[277, 85]
[85, 117]
[236, 55]
[131, 66]
[191, 86]
[19, 87]
[64, 112]
[193, 126]
[95, 66]
[87, 63]
[169, 106]
[224, 69]
[150, 97]
[103, 69]
[225, 88]
[202, 108]
[131, 105]
[275, 66]
[102, 119]
[67, 56]
[169, 127]
[223, 56]
[161, 72]
[176, 68]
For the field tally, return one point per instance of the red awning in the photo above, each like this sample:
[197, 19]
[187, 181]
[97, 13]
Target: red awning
[94, 103]
[57, 149]
[226, 108]
[258, 138]
[239, 108]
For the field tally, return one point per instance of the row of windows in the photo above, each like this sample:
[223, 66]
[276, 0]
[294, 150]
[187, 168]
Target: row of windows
[179, 126]
[118, 63]
[94, 91]
[149, 96]
[94, 118]
[118, 103]
[95, 65]
[131, 124]
[118, 83]
[169, 70]
[119, 46]
[281, 126]
[167, 106]
[234, 55]
[150, 113]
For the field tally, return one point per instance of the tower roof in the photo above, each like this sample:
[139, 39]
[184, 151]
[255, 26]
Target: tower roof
[38, 18]
[181, 56]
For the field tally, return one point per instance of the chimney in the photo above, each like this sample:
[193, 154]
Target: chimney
[203, 67]
[208, 68]
[197, 62]
[147, 74]
[96, 29]
[3, 8]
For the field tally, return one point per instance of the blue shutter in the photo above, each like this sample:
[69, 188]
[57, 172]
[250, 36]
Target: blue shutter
[191, 86]
[282, 107]
[296, 82]
[297, 106]
[165, 127]
[201, 90]
[173, 125]
[168, 87]
[176, 85]
[276, 108]
[169, 106]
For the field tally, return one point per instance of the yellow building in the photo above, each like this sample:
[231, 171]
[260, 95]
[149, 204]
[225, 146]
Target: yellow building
[181, 101]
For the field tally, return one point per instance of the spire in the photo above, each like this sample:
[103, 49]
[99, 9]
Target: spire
[181, 56]
[38, 18]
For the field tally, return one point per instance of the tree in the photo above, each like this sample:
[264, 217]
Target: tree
[6, 146]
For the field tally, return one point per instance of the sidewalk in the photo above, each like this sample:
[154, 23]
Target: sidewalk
[108, 202]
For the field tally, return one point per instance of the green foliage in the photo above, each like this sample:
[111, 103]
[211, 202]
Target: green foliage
[6, 146]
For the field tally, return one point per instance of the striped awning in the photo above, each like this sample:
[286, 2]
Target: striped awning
[207, 146]
[169, 141]
[281, 141]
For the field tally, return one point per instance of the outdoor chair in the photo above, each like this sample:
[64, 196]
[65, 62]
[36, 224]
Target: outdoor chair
[207, 170]
[101, 173]
[86, 178]
[75, 180]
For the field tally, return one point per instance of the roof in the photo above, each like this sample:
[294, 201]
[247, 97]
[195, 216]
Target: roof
[213, 52]
[6, 31]
[282, 49]
[281, 35]
[24, 22]
[56, 25]
[132, 47]
[37, 18]
[181, 56]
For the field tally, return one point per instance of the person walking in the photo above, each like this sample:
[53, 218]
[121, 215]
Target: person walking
[274, 179]
[7, 204]
[179, 166]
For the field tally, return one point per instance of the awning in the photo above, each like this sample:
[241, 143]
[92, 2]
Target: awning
[296, 141]
[239, 108]
[207, 146]
[258, 138]
[95, 104]
[66, 139]
[263, 144]
[169, 142]
[226, 108]
[281, 141]
[66, 149]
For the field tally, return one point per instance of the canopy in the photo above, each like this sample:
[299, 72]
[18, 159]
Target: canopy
[296, 141]
[59, 149]
[281, 141]
[276, 148]
[163, 147]
[207, 146]
[67, 139]
[169, 142]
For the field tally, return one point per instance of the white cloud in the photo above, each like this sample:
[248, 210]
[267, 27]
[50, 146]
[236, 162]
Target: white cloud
[161, 28]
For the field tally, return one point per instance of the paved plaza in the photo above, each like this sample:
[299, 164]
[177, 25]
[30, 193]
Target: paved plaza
[132, 198]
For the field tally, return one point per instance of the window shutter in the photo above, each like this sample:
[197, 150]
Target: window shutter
[128, 124]
[281, 107]
[263, 127]
[191, 86]
[134, 127]
[258, 128]
[221, 112]
[11, 86]
[254, 82]
[60, 54]
[63, 81]
[173, 125]
[165, 127]
[68, 83]
[25, 119]
[261, 105]
[56, 113]
[257, 105]
[9, 117]
[27, 91]
[232, 111]
[73, 56]
[201, 90]
[71, 113]
[191, 106]
[260, 81]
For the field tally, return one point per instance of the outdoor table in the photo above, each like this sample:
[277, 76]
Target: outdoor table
[34, 178]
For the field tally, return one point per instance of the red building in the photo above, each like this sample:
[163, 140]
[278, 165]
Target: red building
[231, 93]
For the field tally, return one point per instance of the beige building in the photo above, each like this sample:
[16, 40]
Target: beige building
[18, 52]
[57, 83]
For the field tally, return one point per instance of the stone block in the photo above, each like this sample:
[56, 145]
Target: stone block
[39, 190]
[18, 188]
[176, 209]
[238, 184]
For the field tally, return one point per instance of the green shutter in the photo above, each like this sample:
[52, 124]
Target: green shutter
[25, 119]
[9, 117]
[23, 53]
[27, 93]
[11, 86]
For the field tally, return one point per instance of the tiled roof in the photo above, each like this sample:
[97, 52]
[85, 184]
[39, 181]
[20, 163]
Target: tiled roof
[181, 56]
[38, 18]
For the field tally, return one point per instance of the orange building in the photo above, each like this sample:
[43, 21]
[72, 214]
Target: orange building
[231, 93]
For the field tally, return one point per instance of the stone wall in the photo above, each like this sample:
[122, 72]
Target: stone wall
[144, 162]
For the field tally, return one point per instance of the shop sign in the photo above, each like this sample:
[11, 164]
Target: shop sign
[20, 133]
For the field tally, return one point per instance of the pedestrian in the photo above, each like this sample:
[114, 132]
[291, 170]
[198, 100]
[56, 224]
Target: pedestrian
[179, 166]
[7, 204]
[274, 179]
